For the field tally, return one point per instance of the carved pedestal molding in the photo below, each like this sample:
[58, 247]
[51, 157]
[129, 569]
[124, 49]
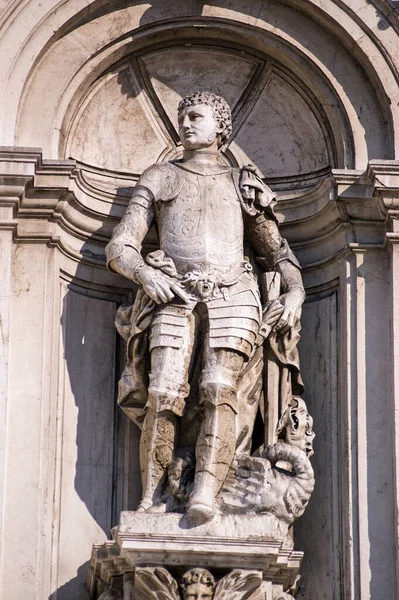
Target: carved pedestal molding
[253, 553]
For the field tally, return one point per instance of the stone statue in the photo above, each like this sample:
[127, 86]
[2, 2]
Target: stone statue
[195, 332]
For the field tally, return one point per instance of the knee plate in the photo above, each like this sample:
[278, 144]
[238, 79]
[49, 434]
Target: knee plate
[160, 399]
[219, 387]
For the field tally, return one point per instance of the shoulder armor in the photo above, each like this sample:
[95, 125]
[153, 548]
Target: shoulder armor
[162, 180]
[256, 197]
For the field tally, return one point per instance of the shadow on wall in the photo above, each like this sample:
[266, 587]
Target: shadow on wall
[93, 425]
[157, 10]
[76, 588]
[383, 22]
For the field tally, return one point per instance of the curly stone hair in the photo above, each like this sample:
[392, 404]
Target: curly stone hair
[197, 576]
[220, 109]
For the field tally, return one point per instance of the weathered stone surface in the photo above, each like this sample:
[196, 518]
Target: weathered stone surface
[56, 217]
[199, 302]
[249, 542]
[167, 529]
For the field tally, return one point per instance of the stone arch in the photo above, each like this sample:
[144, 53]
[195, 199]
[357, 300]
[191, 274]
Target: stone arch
[363, 87]
[262, 94]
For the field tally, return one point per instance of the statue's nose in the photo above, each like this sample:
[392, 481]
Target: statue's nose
[185, 124]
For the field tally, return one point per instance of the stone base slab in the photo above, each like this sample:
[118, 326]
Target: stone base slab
[259, 542]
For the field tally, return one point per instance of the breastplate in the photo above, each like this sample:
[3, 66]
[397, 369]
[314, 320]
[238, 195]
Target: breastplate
[202, 228]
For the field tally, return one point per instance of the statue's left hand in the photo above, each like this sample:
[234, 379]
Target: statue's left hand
[291, 303]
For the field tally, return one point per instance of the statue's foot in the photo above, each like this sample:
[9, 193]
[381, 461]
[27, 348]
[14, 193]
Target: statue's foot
[144, 505]
[200, 508]
[159, 507]
[200, 513]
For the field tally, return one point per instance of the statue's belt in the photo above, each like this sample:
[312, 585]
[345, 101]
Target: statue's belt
[200, 285]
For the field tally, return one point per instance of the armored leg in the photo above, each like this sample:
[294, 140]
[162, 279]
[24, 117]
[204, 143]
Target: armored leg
[217, 439]
[156, 452]
[165, 403]
[167, 391]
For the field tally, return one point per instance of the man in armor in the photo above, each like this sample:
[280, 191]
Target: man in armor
[201, 207]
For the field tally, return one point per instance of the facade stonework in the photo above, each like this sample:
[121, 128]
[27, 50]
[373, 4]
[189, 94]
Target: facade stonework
[88, 94]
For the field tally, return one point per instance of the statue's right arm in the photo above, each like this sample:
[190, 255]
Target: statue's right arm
[124, 249]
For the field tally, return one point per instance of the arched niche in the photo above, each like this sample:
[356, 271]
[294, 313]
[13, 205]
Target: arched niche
[327, 80]
[128, 117]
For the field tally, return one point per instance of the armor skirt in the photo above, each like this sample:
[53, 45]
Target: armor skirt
[233, 318]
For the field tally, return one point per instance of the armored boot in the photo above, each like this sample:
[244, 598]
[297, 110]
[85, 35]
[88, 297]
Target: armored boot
[214, 451]
[156, 452]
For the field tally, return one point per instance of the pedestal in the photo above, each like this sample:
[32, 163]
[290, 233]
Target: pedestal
[253, 552]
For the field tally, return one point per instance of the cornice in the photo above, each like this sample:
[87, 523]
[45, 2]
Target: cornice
[71, 205]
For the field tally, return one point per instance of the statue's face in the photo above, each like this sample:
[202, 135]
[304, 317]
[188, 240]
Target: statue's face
[198, 591]
[198, 127]
[299, 432]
